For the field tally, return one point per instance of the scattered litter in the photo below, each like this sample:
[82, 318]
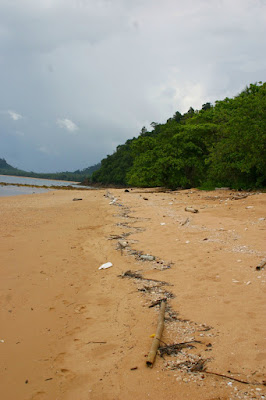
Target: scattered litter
[106, 265]
[76, 199]
[235, 281]
[2, 341]
[249, 207]
[187, 242]
[230, 383]
[162, 223]
[192, 210]
[248, 283]
[132, 369]
[126, 190]
[147, 257]
[113, 201]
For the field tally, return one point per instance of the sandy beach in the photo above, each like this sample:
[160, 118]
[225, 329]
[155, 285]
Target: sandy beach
[70, 331]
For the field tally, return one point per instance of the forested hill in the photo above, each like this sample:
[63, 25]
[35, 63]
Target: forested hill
[76, 176]
[219, 145]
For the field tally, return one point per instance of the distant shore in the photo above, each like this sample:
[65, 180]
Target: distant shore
[43, 186]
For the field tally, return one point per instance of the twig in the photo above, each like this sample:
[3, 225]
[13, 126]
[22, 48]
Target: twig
[96, 342]
[233, 379]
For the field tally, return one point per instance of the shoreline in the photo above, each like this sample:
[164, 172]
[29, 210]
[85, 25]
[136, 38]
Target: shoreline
[86, 329]
[45, 179]
[67, 187]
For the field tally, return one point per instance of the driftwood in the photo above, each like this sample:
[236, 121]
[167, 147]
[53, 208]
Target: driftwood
[158, 335]
[261, 265]
[192, 210]
[244, 196]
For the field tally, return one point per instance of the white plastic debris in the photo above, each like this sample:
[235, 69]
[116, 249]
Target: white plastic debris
[106, 265]
[147, 257]
[113, 201]
[2, 341]
[162, 223]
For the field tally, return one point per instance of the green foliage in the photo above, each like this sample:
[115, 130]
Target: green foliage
[218, 145]
[114, 167]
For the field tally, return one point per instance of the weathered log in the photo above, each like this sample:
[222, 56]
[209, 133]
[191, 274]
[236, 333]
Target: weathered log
[158, 335]
[191, 209]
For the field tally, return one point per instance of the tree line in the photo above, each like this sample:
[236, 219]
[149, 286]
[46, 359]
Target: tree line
[220, 145]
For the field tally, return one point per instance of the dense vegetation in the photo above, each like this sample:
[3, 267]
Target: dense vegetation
[219, 145]
[76, 176]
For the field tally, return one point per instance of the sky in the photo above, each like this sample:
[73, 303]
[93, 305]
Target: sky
[80, 77]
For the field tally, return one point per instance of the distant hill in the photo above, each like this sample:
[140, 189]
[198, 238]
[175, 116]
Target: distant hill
[76, 176]
[5, 166]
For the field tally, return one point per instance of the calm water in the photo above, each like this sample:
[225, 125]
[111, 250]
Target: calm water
[17, 190]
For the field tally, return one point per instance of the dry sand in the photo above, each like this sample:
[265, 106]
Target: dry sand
[70, 331]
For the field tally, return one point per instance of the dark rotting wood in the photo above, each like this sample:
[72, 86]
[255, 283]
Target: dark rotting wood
[173, 349]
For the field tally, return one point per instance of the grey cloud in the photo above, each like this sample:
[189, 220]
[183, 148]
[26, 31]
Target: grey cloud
[114, 66]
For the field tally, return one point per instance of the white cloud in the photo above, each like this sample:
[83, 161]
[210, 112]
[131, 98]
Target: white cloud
[13, 115]
[67, 124]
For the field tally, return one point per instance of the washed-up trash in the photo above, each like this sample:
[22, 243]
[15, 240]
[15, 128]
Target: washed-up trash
[2, 341]
[113, 201]
[162, 223]
[147, 257]
[106, 265]
[76, 199]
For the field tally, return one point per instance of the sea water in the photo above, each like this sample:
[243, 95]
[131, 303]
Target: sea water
[17, 190]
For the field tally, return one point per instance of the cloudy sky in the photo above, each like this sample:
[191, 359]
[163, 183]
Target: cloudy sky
[79, 77]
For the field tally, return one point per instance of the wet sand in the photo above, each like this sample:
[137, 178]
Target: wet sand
[71, 331]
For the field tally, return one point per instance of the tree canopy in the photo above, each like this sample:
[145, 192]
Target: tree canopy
[221, 144]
